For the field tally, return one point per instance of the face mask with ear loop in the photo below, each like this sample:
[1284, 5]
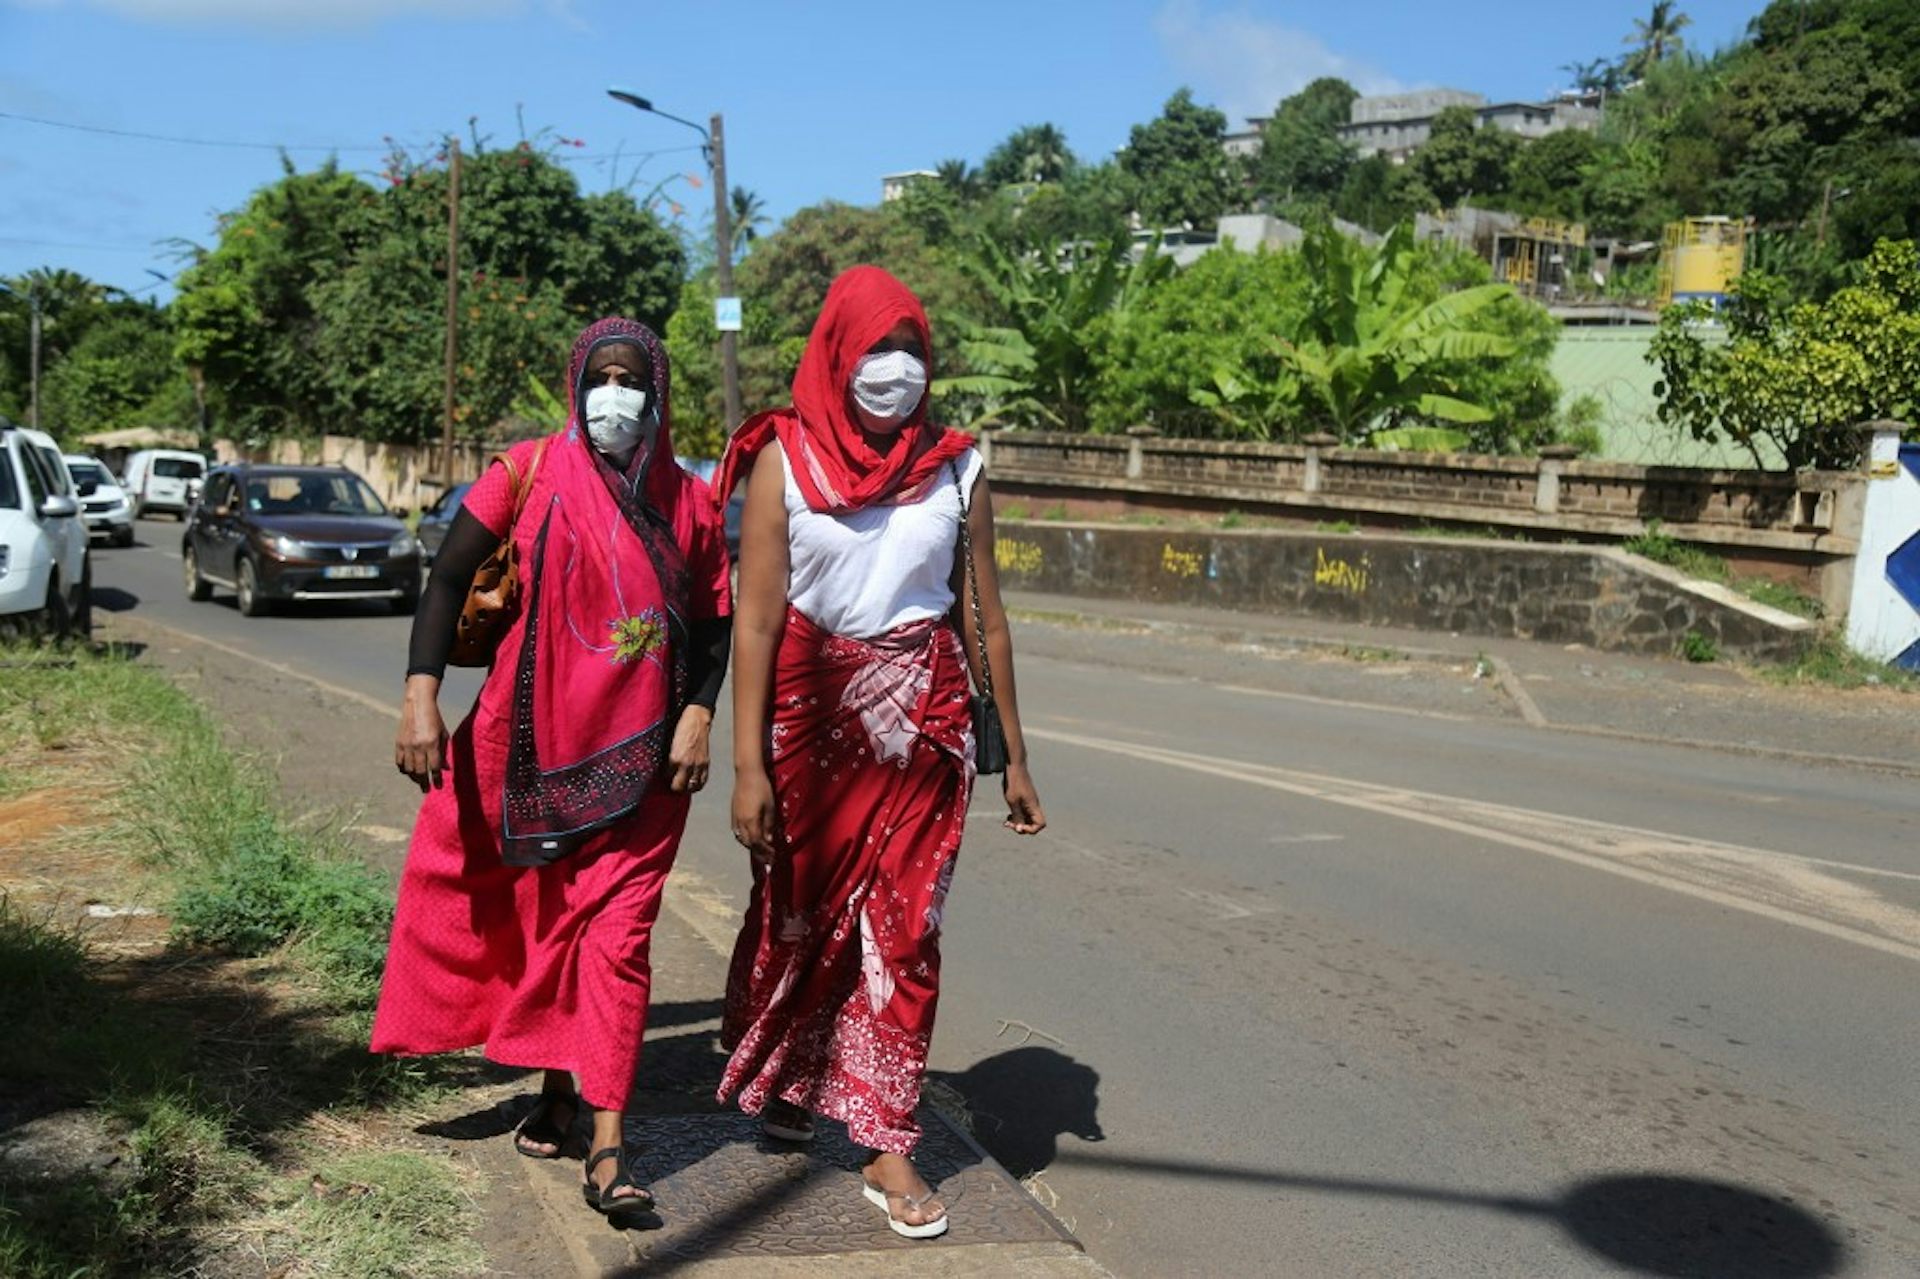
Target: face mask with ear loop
[619, 419]
[887, 387]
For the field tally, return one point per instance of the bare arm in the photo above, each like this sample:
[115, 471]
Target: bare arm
[1024, 813]
[760, 615]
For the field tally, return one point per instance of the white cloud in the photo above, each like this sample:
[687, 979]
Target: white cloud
[1245, 64]
[301, 15]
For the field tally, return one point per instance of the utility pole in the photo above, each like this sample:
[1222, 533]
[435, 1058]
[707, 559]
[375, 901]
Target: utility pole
[1826, 202]
[723, 233]
[33, 311]
[453, 302]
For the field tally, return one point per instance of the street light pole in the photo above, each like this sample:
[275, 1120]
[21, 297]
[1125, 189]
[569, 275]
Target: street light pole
[714, 147]
[33, 356]
[723, 236]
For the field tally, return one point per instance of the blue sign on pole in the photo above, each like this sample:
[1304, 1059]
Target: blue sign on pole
[726, 314]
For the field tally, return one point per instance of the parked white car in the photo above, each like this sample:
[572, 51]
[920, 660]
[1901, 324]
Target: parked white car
[164, 480]
[46, 575]
[104, 507]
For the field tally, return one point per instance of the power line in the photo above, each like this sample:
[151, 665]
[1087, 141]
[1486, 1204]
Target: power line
[188, 142]
[67, 244]
[234, 144]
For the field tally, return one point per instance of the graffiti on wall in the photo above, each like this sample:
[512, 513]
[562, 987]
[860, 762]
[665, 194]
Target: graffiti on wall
[1181, 563]
[1339, 575]
[1011, 555]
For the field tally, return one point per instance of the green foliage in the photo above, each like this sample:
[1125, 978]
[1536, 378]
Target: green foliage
[1462, 162]
[1579, 424]
[387, 1213]
[1032, 153]
[1371, 352]
[1183, 175]
[1301, 154]
[1786, 598]
[322, 306]
[1655, 37]
[1695, 647]
[1828, 662]
[1378, 194]
[1798, 378]
[1656, 544]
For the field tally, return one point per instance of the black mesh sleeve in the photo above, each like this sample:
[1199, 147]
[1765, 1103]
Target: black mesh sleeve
[707, 662]
[468, 544]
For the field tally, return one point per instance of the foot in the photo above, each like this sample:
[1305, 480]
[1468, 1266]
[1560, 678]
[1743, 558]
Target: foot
[892, 1182]
[543, 1132]
[785, 1121]
[609, 1186]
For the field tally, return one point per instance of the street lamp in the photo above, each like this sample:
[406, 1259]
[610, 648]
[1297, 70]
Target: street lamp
[727, 306]
[33, 360]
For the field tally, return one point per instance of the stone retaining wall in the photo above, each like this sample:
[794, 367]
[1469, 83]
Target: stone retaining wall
[1599, 596]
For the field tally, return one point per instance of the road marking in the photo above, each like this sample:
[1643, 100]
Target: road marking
[1241, 690]
[1316, 838]
[1784, 887]
[374, 704]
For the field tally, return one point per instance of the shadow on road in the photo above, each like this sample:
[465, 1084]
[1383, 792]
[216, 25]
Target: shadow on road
[1021, 1101]
[115, 600]
[1651, 1223]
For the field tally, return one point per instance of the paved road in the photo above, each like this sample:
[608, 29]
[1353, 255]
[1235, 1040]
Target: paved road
[1304, 987]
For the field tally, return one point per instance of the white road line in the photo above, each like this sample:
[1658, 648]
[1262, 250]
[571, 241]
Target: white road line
[374, 704]
[1241, 690]
[1676, 863]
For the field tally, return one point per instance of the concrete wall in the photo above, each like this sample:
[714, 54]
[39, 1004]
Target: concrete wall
[1596, 596]
[404, 476]
[1808, 520]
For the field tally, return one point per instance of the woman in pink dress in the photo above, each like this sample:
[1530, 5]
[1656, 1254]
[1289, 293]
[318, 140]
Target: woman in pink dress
[854, 752]
[554, 811]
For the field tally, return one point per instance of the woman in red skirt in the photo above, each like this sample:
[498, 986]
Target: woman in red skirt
[554, 812]
[854, 751]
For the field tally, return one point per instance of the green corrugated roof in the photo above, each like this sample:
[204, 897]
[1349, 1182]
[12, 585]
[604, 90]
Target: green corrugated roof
[1611, 364]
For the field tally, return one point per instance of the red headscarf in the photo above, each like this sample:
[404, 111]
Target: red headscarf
[835, 467]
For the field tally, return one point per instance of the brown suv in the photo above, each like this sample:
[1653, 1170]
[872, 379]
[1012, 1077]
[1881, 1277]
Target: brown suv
[271, 533]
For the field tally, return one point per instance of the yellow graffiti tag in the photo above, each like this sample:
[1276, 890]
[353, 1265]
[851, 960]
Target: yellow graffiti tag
[1180, 563]
[1339, 574]
[1014, 556]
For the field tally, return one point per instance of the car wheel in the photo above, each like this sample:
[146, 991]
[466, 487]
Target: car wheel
[56, 619]
[251, 603]
[123, 536]
[198, 588]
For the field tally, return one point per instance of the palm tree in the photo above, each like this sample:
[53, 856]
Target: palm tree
[1047, 158]
[1655, 36]
[957, 176]
[1368, 356]
[749, 215]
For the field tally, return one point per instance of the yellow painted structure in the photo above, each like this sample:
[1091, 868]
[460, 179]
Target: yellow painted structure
[1700, 258]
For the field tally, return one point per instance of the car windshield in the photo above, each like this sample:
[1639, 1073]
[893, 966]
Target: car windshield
[89, 473]
[178, 468]
[311, 494]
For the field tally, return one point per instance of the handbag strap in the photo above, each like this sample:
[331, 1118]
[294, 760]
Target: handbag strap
[973, 585]
[516, 485]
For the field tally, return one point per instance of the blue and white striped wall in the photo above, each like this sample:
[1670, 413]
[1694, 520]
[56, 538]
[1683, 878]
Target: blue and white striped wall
[1883, 620]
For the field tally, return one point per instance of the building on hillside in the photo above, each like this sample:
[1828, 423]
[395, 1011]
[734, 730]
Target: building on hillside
[1245, 232]
[1396, 125]
[1246, 143]
[894, 185]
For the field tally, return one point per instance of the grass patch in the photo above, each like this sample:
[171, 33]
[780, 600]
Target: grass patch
[1012, 511]
[1829, 663]
[1779, 595]
[1695, 647]
[201, 1064]
[386, 1213]
[1658, 545]
[1336, 526]
[1056, 512]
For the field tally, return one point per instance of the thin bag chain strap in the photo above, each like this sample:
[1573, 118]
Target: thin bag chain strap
[973, 586]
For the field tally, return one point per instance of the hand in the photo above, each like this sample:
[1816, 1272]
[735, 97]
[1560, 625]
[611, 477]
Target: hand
[689, 754]
[1024, 814]
[753, 814]
[420, 748]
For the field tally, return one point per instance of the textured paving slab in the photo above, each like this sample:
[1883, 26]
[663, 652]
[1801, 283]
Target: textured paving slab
[727, 1191]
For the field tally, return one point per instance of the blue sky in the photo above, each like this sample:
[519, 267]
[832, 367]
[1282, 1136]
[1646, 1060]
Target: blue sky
[820, 98]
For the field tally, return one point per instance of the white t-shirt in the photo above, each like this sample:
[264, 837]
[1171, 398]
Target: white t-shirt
[865, 573]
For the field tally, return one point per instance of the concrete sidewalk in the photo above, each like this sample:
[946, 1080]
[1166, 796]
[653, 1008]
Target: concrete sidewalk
[1564, 688]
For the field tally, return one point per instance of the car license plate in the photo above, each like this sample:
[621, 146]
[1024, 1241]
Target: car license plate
[337, 571]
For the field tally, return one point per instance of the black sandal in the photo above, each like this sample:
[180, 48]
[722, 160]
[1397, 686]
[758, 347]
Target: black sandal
[605, 1201]
[539, 1127]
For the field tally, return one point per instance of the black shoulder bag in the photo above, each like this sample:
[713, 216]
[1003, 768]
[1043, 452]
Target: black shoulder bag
[989, 738]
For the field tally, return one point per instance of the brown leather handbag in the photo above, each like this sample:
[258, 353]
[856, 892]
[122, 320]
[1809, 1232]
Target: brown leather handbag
[493, 601]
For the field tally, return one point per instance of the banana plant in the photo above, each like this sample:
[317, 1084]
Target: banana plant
[1370, 356]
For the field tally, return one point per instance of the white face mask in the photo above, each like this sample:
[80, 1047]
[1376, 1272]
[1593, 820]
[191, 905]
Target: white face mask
[887, 388]
[617, 419]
